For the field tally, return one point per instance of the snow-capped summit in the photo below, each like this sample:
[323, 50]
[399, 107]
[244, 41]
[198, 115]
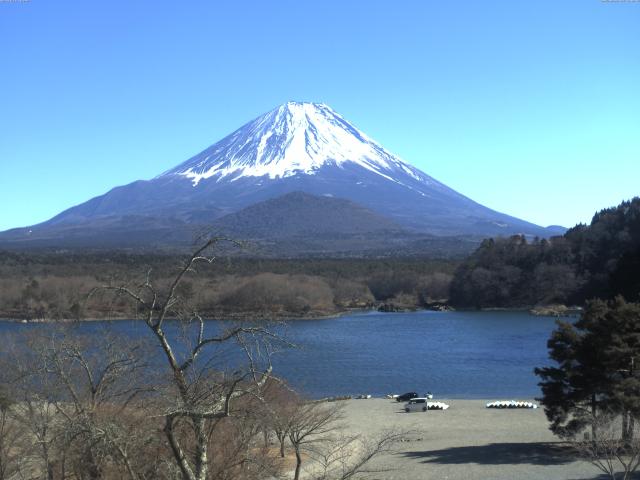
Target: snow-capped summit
[294, 138]
[247, 180]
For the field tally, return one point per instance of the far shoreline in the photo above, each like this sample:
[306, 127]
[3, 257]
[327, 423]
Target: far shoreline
[544, 311]
[230, 317]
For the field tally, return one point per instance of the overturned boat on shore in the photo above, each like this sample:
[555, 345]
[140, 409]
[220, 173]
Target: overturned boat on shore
[511, 404]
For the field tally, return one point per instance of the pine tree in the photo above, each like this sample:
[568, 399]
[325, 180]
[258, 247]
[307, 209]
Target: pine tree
[596, 370]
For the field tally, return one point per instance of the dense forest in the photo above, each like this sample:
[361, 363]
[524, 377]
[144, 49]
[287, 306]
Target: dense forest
[55, 285]
[597, 260]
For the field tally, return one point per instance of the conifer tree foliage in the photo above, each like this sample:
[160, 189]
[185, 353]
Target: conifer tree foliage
[598, 358]
[597, 260]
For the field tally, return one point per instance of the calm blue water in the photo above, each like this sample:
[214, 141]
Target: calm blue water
[452, 354]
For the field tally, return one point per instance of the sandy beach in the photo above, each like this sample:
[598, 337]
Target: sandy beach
[467, 442]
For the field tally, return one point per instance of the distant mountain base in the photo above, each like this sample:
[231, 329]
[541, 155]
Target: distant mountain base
[169, 241]
[293, 225]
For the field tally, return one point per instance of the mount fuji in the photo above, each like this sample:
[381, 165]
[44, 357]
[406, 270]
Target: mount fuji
[285, 164]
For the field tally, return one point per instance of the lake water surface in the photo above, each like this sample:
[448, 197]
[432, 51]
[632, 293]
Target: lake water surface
[452, 354]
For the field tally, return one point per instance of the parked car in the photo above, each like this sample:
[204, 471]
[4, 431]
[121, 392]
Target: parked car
[416, 405]
[422, 404]
[405, 397]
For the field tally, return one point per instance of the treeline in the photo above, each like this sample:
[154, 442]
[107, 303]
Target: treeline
[56, 285]
[599, 260]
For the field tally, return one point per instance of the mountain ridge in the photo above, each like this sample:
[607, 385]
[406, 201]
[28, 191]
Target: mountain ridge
[296, 147]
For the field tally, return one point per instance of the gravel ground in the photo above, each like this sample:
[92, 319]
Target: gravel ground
[467, 442]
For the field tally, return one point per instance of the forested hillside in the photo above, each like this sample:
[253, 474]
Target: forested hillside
[597, 260]
[55, 285]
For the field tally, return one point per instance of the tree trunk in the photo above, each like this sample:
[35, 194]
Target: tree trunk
[202, 461]
[91, 466]
[281, 438]
[63, 464]
[593, 418]
[296, 475]
[178, 453]
[47, 461]
[125, 459]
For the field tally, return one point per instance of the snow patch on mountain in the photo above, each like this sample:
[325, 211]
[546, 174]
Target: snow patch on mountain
[295, 138]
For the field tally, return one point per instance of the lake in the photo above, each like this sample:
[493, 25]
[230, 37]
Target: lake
[452, 354]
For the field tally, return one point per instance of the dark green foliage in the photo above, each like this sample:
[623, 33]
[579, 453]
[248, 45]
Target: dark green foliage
[55, 284]
[107, 264]
[511, 272]
[600, 260]
[596, 368]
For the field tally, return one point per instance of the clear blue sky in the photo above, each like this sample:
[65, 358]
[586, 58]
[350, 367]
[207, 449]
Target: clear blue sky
[529, 107]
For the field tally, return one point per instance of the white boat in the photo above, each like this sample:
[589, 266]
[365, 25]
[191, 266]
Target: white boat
[511, 404]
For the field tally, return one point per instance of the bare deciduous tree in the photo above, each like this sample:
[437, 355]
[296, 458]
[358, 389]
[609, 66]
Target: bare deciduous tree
[349, 457]
[9, 437]
[280, 404]
[203, 393]
[98, 401]
[612, 451]
[315, 431]
[311, 425]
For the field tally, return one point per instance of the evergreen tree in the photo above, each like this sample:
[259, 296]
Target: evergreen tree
[596, 368]
[599, 260]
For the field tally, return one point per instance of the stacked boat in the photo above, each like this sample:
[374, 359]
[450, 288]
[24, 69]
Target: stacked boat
[511, 404]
